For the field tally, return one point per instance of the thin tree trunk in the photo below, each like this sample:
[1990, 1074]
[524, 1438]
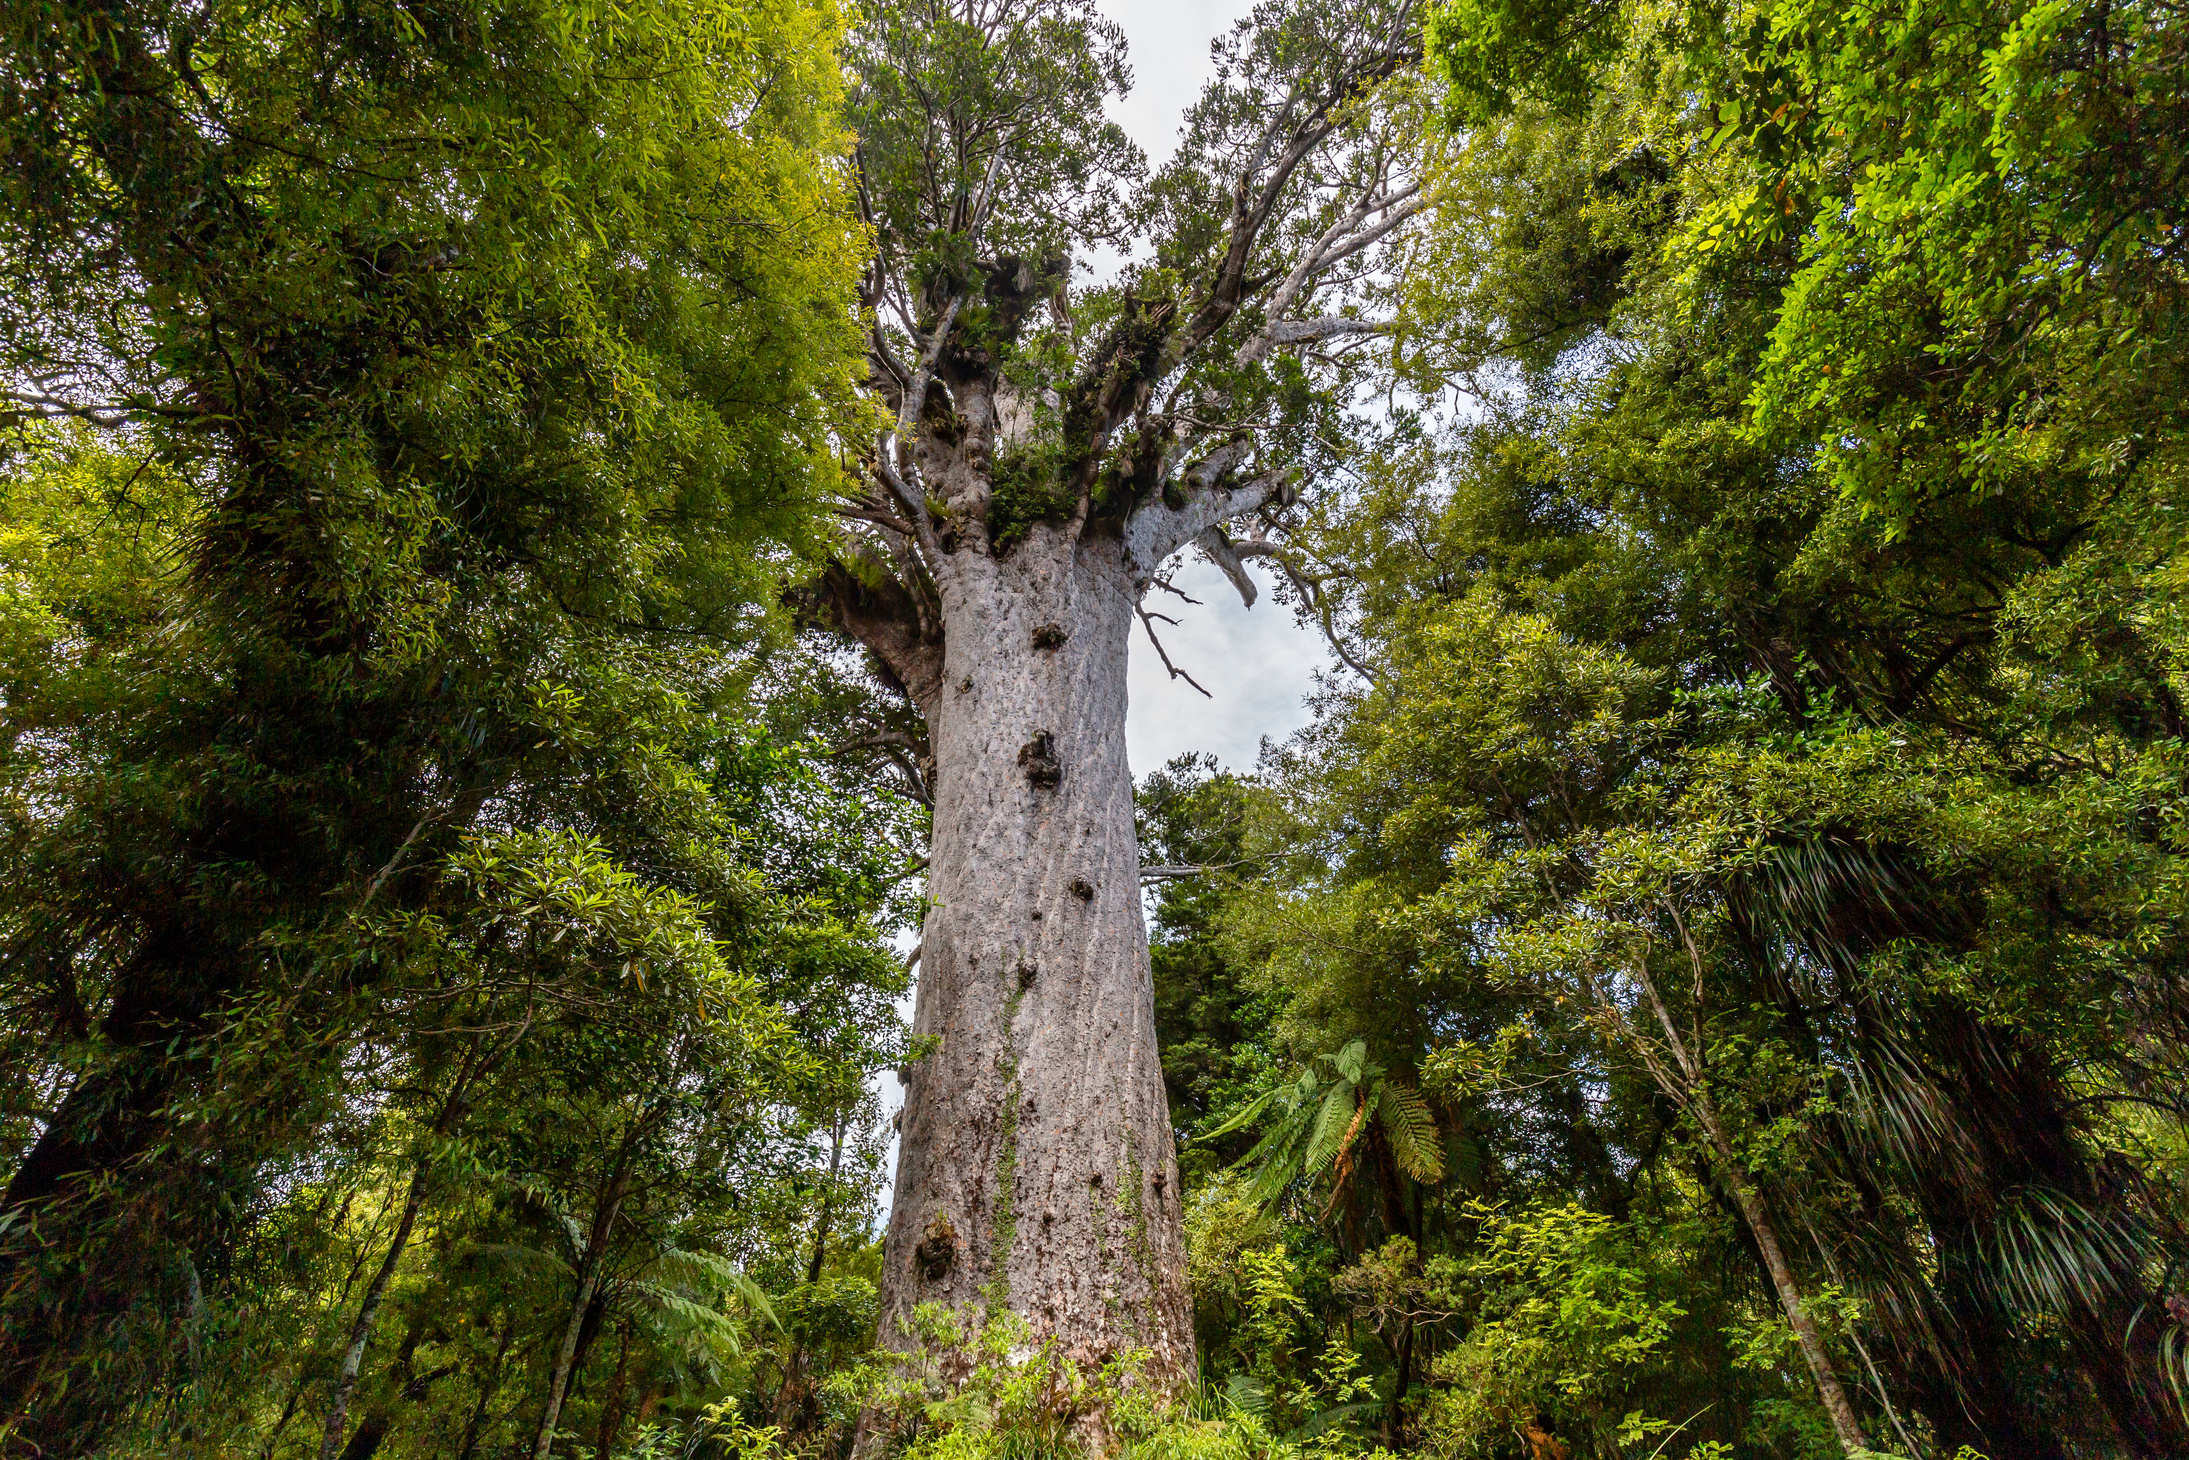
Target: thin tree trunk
[288, 1413]
[828, 1198]
[1395, 1419]
[793, 1395]
[487, 1391]
[544, 1440]
[1693, 1091]
[1037, 1172]
[453, 1106]
[589, 1266]
[1750, 1201]
[409, 1386]
[611, 1410]
[353, 1357]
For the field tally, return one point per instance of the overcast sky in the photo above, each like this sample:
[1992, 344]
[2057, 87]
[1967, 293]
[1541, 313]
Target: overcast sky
[1257, 663]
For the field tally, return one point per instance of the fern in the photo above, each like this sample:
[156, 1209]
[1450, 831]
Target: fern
[1412, 1131]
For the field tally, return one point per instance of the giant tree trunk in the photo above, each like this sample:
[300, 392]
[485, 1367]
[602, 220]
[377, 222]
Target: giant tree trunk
[1037, 1174]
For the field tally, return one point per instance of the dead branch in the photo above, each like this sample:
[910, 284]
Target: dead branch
[1175, 671]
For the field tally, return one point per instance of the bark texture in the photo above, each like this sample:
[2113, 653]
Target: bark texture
[1037, 1172]
[999, 533]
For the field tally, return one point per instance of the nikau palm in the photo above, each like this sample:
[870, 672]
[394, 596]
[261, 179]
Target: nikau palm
[1039, 466]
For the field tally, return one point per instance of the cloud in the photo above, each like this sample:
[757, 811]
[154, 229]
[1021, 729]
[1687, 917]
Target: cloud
[1258, 665]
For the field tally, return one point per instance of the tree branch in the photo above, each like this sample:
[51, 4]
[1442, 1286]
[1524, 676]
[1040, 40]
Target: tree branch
[1305, 331]
[1157, 529]
[1175, 671]
[1218, 547]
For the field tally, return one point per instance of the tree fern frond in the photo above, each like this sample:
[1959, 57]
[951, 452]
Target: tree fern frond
[1412, 1131]
[709, 1273]
[1245, 1117]
[1351, 1062]
[516, 1254]
[1331, 1122]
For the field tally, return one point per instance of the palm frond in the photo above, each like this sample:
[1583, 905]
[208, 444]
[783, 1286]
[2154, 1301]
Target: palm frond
[2052, 1254]
[1332, 1415]
[2174, 1364]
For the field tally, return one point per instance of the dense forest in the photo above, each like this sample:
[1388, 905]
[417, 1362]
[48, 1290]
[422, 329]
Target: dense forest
[564, 559]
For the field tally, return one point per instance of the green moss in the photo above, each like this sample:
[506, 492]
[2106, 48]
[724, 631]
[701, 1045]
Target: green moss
[1003, 1230]
[1136, 1211]
[1024, 488]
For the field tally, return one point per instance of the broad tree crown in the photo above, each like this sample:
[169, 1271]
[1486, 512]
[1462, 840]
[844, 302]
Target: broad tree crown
[1202, 385]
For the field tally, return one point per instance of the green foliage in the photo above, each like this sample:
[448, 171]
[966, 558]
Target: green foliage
[446, 912]
[1489, 55]
[413, 411]
[1767, 765]
[1562, 1313]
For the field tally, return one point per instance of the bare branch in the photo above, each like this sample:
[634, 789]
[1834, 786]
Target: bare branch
[1305, 331]
[923, 522]
[1166, 871]
[1157, 530]
[1175, 671]
[41, 406]
[915, 393]
[1312, 595]
[1345, 238]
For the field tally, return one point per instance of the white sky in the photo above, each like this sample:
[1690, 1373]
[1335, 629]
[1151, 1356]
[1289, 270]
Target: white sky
[1258, 664]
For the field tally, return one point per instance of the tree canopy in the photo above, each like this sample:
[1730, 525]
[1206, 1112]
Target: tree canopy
[479, 491]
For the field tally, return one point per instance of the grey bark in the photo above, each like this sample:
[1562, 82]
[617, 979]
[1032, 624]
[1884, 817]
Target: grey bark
[1692, 1090]
[1037, 1172]
[353, 1356]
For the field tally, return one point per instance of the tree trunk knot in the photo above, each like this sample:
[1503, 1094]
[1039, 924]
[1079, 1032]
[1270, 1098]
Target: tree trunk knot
[938, 1253]
[1049, 636]
[1038, 755]
[1082, 889]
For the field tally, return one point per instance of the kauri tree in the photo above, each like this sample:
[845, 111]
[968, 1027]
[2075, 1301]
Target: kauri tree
[1036, 462]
